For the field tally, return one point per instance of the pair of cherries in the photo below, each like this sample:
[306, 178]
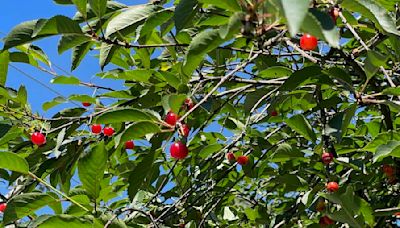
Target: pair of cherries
[241, 160]
[107, 131]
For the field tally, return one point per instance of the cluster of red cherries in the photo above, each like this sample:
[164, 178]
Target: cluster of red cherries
[244, 159]
[39, 138]
[332, 186]
[178, 149]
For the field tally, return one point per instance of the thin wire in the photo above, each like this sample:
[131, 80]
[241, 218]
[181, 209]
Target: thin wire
[43, 84]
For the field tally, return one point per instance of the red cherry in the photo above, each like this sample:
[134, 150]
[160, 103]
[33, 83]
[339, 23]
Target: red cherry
[108, 131]
[392, 180]
[274, 113]
[171, 118]
[38, 138]
[325, 221]
[178, 150]
[96, 128]
[334, 13]
[242, 160]
[327, 158]
[129, 145]
[230, 156]
[3, 207]
[86, 104]
[185, 130]
[332, 186]
[308, 42]
[189, 103]
[320, 206]
[388, 170]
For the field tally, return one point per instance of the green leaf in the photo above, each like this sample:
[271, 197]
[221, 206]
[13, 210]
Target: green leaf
[78, 53]
[285, 152]
[233, 26]
[56, 101]
[26, 204]
[22, 57]
[82, 98]
[172, 79]
[154, 20]
[334, 126]
[275, 72]
[210, 149]
[4, 60]
[106, 53]
[184, 13]
[342, 76]
[91, 169]
[4, 129]
[56, 25]
[81, 6]
[13, 162]
[299, 78]
[173, 102]
[231, 5]
[392, 148]
[69, 41]
[47, 221]
[395, 91]
[137, 75]
[141, 171]
[381, 139]
[125, 115]
[65, 80]
[139, 130]
[20, 34]
[11, 134]
[201, 44]
[295, 13]
[373, 61]
[98, 6]
[300, 124]
[321, 25]
[343, 217]
[252, 98]
[367, 212]
[351, 205]
[32, 30]
[126, 22]
[374, 12]
[348, 116]
[22, 95]
[388, 4]
[35, 52]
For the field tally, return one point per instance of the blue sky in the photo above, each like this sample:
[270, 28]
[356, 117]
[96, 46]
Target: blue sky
[17, 11]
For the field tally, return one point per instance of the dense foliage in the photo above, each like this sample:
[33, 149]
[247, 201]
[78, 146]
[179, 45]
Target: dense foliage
[259, 119]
